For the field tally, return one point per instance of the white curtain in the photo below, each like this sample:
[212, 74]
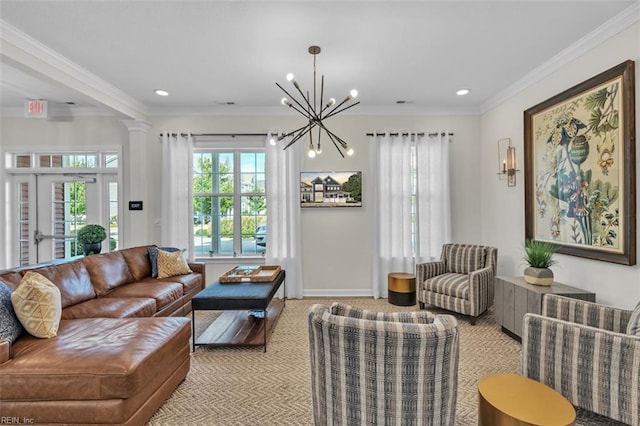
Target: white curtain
[403, 165]
[284, 242]
[177, 190]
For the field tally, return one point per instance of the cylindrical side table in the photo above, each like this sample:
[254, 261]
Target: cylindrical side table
[402, 288]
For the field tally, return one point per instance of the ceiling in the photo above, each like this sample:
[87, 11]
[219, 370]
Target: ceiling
[109, 56]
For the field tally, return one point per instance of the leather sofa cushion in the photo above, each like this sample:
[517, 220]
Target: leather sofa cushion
[72, 279]
[190, 282]
[137, 259]
[94, 358]
[108, 271]
[107, 307]
[164, 293]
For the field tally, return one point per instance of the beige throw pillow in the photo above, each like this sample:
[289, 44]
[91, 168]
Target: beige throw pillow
[38, 305]
[171, 264]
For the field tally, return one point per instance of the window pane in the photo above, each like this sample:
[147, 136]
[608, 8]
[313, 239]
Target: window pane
[254, 214]
[213, 225]
[111, 160]
[252, 175]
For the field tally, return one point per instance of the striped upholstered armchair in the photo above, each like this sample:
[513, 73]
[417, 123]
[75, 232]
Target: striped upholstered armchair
[372, 368]
[461, 281]
[588, 352]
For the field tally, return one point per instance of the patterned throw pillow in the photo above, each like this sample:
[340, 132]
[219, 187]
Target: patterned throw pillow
[153, 258]
[633, 327]
[10, 327]
[464, 258]
[38, 305]
[171, 264]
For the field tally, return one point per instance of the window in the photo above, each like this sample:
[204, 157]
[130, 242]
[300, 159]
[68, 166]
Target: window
[229, 202]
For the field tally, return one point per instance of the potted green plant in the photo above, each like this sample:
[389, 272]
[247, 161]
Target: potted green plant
[539, 256]
[91, 237]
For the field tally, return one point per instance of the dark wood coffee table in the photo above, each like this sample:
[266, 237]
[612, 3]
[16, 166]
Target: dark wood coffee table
[250, 313]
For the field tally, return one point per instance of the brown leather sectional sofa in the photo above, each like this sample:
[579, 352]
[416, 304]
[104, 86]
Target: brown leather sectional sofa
[117, 356]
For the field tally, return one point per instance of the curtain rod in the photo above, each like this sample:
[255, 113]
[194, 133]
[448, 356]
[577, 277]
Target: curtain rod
[232, 135]
[407, 134]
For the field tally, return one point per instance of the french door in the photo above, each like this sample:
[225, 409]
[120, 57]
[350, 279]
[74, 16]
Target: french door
[52, 195]
[64, 204]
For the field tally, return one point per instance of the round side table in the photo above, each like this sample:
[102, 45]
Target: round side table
[402, 288]
[509, 399]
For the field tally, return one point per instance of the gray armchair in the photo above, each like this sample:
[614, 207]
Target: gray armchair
[581, 349]
[461, 281]
[382, 368]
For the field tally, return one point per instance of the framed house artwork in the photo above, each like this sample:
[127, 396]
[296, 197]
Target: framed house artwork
[580, 191]
[331, 189]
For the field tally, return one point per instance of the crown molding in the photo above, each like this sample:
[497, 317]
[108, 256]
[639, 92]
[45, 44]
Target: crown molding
[614, 26]
[31, 54]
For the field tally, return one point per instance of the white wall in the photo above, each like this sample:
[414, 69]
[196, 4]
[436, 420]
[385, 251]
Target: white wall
[503, 223]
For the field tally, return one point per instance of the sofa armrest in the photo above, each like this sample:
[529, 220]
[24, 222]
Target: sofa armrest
[595, 369]
[481, 290]
[586, 313]
[199, 268]
[427, 270]
[5, 351]
[416, 317]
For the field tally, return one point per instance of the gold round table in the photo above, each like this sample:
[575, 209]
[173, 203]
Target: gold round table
[402, 288]
[509, 399]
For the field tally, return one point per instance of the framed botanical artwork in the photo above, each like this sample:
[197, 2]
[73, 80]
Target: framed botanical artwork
[580, 174]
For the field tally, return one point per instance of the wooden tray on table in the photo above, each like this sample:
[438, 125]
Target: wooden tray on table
[250, 273]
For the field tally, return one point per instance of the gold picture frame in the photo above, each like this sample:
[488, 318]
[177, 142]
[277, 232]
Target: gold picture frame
[580, 168]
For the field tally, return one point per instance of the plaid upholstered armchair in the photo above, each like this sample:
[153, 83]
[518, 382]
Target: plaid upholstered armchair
[382, 368]
[588, 352]
[461, 281]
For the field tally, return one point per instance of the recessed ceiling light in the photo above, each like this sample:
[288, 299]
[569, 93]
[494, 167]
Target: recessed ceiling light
[161, 92]
[462, 92]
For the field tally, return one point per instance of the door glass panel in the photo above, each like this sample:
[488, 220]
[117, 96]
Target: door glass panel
[69, 215]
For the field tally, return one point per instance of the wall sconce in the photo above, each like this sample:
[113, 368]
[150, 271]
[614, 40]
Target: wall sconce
[507, 161]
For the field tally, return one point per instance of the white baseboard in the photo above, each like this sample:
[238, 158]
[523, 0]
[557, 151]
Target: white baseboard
[338, 293]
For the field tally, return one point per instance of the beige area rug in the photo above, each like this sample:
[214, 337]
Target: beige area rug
[244, 386]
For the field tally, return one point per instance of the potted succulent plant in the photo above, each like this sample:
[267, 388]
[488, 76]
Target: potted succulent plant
[91, 237]
[539, 257]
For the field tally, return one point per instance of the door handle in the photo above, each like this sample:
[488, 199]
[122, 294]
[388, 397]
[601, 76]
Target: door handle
[38, 236]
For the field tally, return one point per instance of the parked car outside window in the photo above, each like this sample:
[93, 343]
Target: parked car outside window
[261, 235]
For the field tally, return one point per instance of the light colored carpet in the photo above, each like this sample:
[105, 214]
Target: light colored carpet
[244, 386]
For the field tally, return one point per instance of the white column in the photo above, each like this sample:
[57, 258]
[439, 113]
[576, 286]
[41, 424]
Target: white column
[137, 224]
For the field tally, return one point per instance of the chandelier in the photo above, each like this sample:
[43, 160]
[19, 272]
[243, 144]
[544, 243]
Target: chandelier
[316, 113]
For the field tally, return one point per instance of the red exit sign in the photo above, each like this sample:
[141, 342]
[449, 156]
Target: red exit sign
[35, 108]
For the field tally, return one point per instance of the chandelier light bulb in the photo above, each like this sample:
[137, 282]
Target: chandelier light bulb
[354, 93]
[318, 150]
[350, 152]
[284, 101]
[332, 101]
[290, 77]
[311, 153]
[272, 142]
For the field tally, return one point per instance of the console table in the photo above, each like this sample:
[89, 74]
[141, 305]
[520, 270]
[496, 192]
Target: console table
[514, 297]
